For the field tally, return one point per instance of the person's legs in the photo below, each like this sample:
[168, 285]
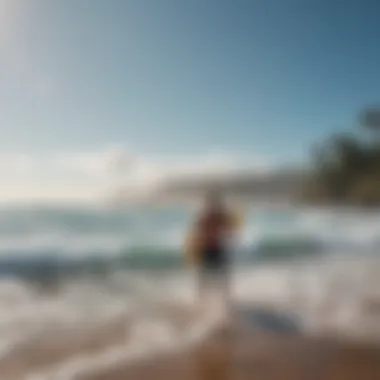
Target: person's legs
[204, 288]
[214, 281]
[201, 284]
[223, 289]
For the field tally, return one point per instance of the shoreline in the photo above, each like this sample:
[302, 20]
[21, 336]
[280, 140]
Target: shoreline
[237, 352]
[231, 355]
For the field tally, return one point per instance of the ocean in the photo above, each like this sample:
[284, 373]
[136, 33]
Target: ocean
[75, 271]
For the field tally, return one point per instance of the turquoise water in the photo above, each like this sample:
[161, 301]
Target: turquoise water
[33, 238]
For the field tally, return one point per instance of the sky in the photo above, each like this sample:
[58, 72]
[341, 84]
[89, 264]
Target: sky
[96, 93]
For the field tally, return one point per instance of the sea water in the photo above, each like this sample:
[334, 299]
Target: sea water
[67, 271]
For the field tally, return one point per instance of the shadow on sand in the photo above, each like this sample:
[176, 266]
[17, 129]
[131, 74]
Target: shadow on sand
[268, 320]
[234, 354]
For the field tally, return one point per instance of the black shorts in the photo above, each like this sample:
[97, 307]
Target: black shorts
[214, 268]
[214, 258]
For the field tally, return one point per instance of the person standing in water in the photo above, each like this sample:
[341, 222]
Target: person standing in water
[208, 248]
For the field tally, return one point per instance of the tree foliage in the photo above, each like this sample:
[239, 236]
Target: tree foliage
[347, 169]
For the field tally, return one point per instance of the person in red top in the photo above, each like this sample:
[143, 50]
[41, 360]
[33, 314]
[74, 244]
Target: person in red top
[214, 228]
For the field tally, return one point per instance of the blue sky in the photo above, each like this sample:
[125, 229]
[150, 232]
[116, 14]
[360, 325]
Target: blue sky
[254, 78]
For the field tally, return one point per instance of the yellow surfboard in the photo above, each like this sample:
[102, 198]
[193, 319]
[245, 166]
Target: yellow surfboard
[192, 248]
[237, 220]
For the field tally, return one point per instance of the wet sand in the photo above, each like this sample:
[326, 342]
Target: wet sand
[247, 355]
[54, 348]
[273, 349]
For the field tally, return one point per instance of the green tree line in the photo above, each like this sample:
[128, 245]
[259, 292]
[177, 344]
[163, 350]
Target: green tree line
[346, 168]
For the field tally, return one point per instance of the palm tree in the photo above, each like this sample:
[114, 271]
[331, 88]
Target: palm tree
[370, 120]
[347, 168]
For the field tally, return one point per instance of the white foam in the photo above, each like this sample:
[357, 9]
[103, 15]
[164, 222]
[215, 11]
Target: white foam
[311, 289]
[149, 337]
[332, 293]
[328, 295]
[37, 233]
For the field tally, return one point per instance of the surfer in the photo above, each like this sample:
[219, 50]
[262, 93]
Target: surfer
[208, 248]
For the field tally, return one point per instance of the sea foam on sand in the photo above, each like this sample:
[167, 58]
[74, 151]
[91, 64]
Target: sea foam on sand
[88, 325]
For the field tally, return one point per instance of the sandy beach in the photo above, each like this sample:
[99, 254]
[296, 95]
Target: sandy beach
[240, 352]
[55, 352]
[245, 354]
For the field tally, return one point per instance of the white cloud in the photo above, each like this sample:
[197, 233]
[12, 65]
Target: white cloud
[93, 174]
